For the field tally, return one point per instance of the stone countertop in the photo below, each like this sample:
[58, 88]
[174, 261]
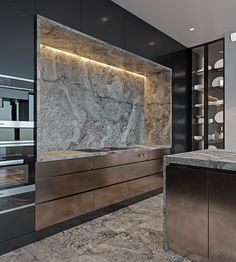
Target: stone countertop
[71, 154]
[216, 159]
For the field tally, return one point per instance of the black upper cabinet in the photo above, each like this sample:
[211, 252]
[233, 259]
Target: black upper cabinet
[165, 48]
[140, 37]
[181, 100]
[24, 5]
[17, 42]
[104, 20]
[66, 12]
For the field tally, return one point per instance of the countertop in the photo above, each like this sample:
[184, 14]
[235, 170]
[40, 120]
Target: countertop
[216, 159]
[71, 154]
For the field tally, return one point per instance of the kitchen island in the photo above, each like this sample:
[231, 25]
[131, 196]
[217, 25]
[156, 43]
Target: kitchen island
[200, 205]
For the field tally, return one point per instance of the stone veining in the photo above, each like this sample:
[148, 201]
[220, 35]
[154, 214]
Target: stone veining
[131, 234]
[82, 104]
[217, 159]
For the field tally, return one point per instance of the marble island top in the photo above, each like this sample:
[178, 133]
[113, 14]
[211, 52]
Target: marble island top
[71, 154]
[216, 159]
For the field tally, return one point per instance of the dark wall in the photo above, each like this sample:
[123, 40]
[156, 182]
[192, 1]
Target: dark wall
[181, 100]
[104, 20]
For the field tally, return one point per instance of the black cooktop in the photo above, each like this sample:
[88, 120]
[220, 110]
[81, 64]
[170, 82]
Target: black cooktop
[104, 149]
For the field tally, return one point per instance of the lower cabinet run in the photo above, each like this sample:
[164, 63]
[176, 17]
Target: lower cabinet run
[77, 187]
[117, 193]
[155, 181]
[54, 212]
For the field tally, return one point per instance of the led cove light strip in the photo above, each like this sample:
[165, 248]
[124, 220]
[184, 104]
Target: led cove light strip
[84, 59]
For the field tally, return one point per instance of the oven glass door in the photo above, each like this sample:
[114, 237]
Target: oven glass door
[12, 134]
[14, 175]
[17, 110]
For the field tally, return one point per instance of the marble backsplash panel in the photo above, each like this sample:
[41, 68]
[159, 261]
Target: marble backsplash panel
[84, 105]
[157, 109]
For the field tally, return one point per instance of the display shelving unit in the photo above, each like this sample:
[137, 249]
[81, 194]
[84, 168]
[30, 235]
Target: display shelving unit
[208, 96]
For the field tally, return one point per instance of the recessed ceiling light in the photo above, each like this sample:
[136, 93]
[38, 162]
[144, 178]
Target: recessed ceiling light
[221, 52]
[233, 37]
[104, 19]
[191, 29]
[152, 43]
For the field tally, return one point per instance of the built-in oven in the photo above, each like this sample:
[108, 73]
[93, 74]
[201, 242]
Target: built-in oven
[13, 173]
[16, 109]
[17, 157]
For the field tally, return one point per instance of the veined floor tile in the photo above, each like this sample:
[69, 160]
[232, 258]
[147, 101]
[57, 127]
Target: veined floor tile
[131, 234]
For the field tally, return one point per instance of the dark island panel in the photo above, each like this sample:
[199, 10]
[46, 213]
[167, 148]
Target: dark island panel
[187, 209]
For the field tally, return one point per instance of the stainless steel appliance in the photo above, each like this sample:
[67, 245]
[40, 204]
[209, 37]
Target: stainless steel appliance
[17, 157]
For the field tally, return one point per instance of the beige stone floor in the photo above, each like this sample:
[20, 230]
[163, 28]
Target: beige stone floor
[132, 234]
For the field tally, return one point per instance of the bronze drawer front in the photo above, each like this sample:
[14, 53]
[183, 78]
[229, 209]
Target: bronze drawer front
[60, 210]
[159, 153]
[113, 175]
[119, 159]
[117, 193]
[61, 186]
[187, 211]
[155, 181]
[155, 166]
[62, 167]
[222, 216]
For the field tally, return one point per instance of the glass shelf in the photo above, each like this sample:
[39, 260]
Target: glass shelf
[209, 99]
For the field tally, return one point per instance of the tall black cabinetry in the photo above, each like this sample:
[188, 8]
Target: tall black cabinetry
[23, 5]
[66, 12]
[17, 42]
[139, 37]
[17, 76]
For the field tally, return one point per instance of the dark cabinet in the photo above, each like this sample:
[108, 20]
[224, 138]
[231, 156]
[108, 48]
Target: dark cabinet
[66, 12]
[17, 42]
[24, 5]
[187, 209]
[165, 47]
[16, 223]
[103, 19]
[222, 214]
[201, 213]
[181, 100]
[140, 37]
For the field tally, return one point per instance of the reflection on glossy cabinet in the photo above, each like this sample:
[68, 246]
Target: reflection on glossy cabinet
[140, 37]
[66, 12]
[104, 20]
[24, 5]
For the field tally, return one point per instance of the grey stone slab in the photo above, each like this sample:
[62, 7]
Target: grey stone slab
[86, 104]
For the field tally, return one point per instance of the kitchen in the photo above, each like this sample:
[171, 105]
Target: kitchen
[88, 113]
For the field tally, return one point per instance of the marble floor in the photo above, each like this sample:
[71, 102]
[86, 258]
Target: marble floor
[132, 234]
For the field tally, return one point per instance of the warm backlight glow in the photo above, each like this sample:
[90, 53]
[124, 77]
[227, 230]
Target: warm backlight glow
[87, 60]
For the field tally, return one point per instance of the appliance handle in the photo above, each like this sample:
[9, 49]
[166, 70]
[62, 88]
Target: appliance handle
[12, 162]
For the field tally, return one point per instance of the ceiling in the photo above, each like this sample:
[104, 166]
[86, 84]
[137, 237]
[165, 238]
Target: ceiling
[210, 18]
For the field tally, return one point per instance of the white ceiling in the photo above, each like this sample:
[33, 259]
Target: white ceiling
[210, 18]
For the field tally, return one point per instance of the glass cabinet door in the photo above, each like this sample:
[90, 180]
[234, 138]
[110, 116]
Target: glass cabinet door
[198, 93]
[215, 112]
